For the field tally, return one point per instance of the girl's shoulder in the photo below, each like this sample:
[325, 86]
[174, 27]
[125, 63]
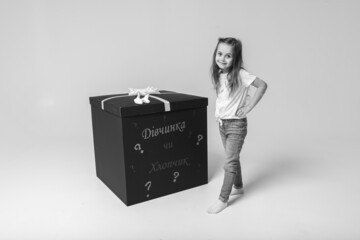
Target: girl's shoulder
[246, 77]
[243, 71]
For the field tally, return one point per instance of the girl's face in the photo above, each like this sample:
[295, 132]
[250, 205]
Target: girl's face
[224, 56]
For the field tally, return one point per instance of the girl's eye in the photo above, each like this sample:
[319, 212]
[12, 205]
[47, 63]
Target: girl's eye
[228, 56]
[219, 53]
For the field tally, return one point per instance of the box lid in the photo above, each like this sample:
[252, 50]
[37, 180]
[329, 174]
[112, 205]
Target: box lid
[123, 105]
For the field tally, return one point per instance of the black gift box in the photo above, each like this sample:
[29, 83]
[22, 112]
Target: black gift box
[150, 150]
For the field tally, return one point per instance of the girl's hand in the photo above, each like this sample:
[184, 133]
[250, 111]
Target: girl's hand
[241, 112]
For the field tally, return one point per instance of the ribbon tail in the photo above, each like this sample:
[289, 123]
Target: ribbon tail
[166, 103]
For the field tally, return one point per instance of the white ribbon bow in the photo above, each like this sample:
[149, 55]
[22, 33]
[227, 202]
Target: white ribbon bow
[142, 92]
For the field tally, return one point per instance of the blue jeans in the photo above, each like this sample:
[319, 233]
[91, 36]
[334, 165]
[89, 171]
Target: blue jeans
[233, 133]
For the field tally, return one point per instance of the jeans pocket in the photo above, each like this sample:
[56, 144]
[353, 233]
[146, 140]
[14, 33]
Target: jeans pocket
[238, 127]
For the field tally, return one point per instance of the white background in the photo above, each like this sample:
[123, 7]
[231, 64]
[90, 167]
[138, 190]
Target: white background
[301, 157]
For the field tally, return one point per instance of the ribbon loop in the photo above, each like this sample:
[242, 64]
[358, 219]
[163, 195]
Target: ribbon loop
[143, 91]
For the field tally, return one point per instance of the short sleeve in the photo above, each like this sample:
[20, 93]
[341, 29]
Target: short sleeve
[246, 77]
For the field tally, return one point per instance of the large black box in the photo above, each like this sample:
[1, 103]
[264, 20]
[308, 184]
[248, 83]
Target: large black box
[151, 150]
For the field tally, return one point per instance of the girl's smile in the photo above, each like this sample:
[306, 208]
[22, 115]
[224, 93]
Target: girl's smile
[224, 56]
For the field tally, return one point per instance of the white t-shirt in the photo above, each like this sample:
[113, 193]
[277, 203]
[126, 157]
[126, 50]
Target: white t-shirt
[226, 105]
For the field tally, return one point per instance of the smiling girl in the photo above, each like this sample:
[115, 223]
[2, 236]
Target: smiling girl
[233, 103]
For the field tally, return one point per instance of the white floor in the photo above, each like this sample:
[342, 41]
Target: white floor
[49, 191]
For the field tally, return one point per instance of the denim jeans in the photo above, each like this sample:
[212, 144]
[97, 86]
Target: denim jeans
[233, 133]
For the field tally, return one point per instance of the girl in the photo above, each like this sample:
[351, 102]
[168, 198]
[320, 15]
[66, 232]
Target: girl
[232, 82]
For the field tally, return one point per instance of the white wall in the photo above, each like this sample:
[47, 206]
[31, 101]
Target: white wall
[55, 54]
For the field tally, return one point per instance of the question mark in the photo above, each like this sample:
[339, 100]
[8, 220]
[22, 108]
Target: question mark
[200, 137]
[148, 185]
[138, 148]
[176, 175]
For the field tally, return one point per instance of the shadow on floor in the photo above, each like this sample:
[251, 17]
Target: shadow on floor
[272, 171]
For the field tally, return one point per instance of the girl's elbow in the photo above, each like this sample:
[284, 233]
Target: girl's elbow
[264, 86]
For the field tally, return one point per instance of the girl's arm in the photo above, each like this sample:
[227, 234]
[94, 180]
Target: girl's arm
[261, 87]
